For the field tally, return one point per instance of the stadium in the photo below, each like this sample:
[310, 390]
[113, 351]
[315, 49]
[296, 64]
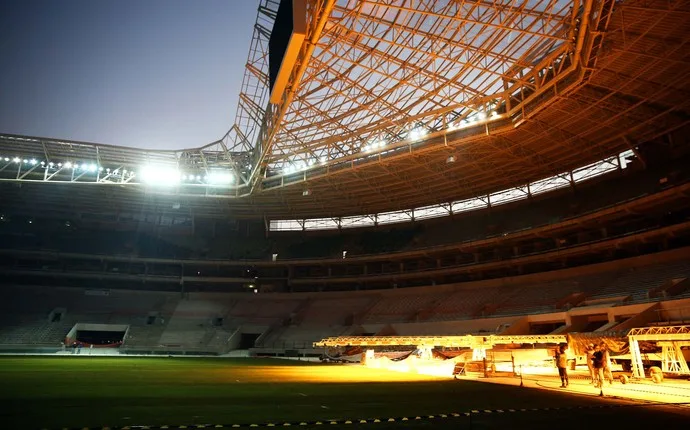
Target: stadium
[416, 204]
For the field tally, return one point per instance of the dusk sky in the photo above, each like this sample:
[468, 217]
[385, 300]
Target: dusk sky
[161, 74]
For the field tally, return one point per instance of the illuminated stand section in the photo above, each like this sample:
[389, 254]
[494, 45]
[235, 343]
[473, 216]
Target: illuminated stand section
[670, 361]
[424, 360]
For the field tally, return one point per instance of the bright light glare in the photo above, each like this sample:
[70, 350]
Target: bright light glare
[417, 133]
[160, 175]
[221, 178]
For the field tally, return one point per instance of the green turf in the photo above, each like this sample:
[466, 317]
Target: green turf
[83, 391]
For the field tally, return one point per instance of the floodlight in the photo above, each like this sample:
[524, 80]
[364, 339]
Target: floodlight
[481, 116]
[33, 161]
[220, 177]
[7, 159]
[68, 165]
[159, 175]
[417, 133]
[92, 167]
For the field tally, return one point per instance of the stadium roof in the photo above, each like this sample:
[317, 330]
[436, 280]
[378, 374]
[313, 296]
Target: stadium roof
[403, 104]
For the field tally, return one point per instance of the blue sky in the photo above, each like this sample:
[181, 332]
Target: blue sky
[161, 74]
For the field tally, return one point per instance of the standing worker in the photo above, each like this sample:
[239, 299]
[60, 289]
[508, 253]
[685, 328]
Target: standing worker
[562, 364]
[607, 363]
[598, 363]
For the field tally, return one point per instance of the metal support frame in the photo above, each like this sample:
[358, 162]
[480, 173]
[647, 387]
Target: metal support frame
[553, 71]
[467, 341]
[673, 360]
[670, 338]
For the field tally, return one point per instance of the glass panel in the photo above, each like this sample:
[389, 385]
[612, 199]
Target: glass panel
[434, 211]
[468, 205]
[550, 184]
[320, 224]
[595, 169]
[393, 217]
[285, 225]
[507, 196]
[357, 221]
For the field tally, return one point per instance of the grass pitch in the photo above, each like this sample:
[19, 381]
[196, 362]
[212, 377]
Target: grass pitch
[55, 392]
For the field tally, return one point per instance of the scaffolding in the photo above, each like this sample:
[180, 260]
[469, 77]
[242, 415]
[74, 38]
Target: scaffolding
[671, 339]
[466, 341]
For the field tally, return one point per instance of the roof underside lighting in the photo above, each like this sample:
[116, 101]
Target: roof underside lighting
[163, 176]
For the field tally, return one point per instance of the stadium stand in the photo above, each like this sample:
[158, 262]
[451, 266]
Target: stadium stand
[562, 207]
[161, 322]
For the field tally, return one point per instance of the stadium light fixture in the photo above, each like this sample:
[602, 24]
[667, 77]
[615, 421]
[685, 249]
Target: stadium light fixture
[220, 178]
[417, 133]
[68, 165]
[16, 160]
[159, 175]
[33, 161]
